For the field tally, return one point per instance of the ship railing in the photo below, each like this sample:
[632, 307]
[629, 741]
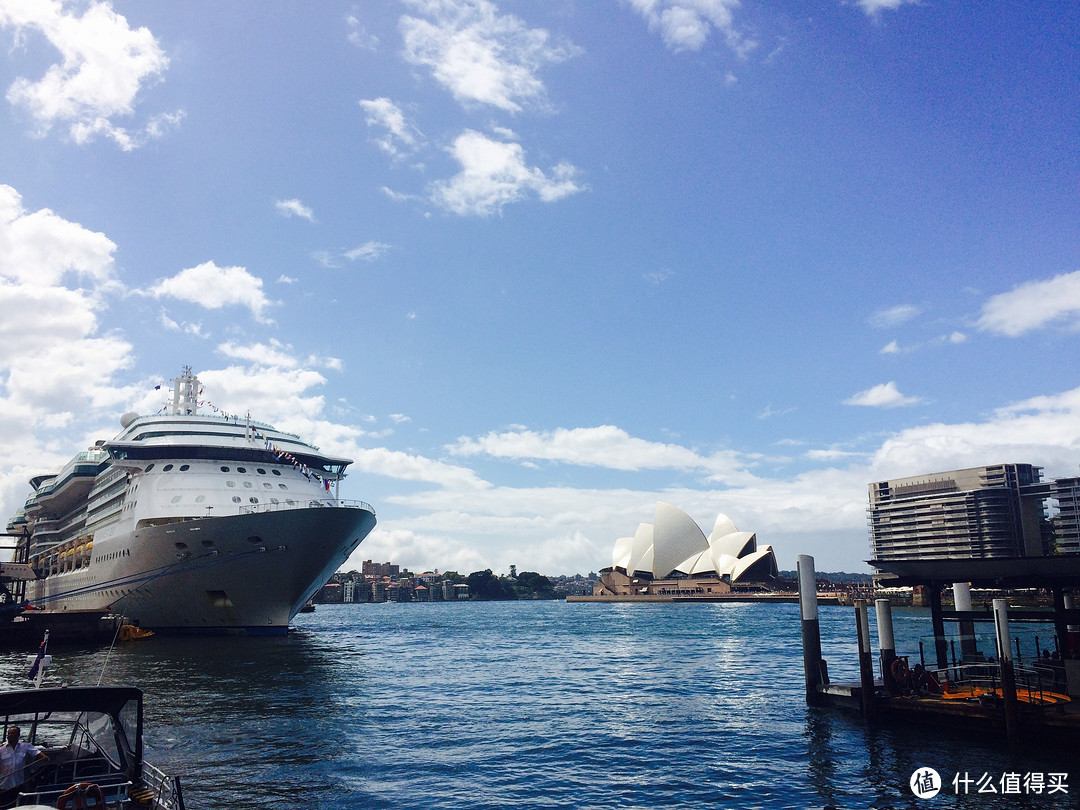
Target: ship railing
[311, 503]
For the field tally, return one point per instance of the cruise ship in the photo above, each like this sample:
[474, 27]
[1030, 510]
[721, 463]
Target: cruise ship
[189, 522]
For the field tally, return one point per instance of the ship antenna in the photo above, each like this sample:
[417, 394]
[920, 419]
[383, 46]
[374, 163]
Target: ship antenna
[185, 394]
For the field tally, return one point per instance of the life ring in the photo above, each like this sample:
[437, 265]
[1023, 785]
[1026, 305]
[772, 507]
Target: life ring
[899, 671]
[82, 796]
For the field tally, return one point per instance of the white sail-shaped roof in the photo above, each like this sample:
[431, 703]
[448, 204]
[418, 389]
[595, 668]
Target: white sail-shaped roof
[675, 538]
[620, 555]
[674, 542]
[641, 549]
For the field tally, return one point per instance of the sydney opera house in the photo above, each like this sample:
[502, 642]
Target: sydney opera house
[672, 557]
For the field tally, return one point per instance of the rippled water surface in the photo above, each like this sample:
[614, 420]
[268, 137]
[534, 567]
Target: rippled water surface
[533, 705]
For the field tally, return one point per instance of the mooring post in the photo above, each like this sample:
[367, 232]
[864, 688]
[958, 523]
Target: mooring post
[811, 632]
[866, 660]
[886, 644]
[1008, 674]
[941, 644]
[962, 603]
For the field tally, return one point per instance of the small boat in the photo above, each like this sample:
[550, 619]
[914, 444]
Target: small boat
[92, 739]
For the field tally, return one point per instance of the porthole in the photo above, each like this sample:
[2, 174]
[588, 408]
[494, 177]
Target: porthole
[274, 500]
[185, 467]
[253, 500]
[282, 486]
[200, 498]
[166, 468]
[224, 469]
[148, 467]
[254, 540]
[230, 483]
[241, 469]
[267, 485]
[181, 545]
[247, 484]
[236, 499]
[276, 472]
[177, 498]
[260, 471]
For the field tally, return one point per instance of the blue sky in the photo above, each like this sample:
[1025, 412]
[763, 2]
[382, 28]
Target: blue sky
[537, 265]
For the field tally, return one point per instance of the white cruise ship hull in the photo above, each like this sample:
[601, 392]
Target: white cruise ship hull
[248, 573]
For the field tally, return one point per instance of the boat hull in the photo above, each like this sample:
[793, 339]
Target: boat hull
[247, 573]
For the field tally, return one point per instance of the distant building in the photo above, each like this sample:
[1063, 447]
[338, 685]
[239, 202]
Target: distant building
[974, 513]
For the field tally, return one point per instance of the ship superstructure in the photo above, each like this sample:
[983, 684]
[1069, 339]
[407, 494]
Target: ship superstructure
[189, 521]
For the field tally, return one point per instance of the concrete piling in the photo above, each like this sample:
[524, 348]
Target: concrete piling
[886, 644]
[811, 632]
[1005, 662]
[866, 661]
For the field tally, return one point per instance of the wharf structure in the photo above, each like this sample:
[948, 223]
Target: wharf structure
[986, 690]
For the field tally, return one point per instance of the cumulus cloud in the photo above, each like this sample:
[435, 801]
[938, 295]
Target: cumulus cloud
[685, 25]
[215, 287]
[494, 174]
[1034, 305]
[55, 279]
[104, 65]
[885, 395]
[294, 208]
[479, 55]
[399, 138]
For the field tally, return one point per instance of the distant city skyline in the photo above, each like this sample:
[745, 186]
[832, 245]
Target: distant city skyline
[535, 266]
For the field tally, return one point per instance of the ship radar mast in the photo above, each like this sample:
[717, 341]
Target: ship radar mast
[185, 394]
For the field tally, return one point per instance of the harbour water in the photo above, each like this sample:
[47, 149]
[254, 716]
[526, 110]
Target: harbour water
[541, 705]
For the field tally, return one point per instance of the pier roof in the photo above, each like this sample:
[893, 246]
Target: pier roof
[999, 572]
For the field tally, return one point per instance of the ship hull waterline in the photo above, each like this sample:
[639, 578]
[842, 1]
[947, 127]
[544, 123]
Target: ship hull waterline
[214, 575]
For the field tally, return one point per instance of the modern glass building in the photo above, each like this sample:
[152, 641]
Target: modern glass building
[980, 512]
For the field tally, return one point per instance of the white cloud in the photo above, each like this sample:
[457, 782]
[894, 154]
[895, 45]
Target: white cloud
[367, 252]
[884, 395]
[874, 7]
[892, 347]
[215, 287]
[294, 208]
[493, 174]
[685, 25]
[894, 316]
[400, 138]
[104, 65]
[359, 36]
[480, 56]
[1033, 306]
[603, 446]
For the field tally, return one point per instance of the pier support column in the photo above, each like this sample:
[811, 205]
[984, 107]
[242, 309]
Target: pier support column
[866, 660]
[941, 646]
[811, 632]
[1005, 660]
[962, 602]
[887, 644]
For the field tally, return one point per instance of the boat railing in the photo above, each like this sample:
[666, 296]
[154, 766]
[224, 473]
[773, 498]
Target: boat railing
[165, 793]
[300, 503]
[116, 793]
[1035, 685]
